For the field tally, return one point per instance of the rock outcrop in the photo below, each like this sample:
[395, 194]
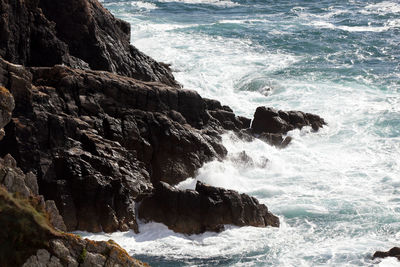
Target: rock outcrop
[393, 252]
[97, 124]
[15, 181]
[270, 125]
[206, 208]
[32, 229]
[28, 239]
[77, 33]
[97, 140]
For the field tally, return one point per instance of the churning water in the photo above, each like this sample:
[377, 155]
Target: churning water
[337, 192]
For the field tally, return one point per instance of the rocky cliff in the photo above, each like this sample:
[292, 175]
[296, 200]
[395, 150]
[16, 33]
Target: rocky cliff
[96, 127]
[76, 33]
[97, 141]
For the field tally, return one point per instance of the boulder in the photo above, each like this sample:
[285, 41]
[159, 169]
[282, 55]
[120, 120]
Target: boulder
[206, 208]
[271, 125]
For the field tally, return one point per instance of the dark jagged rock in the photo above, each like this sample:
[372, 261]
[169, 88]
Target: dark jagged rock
[269, 120]
[225, 116]
[393, 252]
[106, 124]
[77, 33]
[97, 140]
[205, 209]
[270, 125]
[245, 121]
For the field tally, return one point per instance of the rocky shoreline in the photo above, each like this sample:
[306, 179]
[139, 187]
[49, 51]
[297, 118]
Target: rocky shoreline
[94, 131]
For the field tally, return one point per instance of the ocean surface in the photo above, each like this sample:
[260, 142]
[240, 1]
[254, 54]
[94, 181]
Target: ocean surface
[336, 192]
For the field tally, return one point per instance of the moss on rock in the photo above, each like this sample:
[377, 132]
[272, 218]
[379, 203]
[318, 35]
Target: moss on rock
[24, 229]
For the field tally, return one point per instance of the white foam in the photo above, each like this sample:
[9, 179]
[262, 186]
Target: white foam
[328, 25]
[220, 3]
[144, 5]
[382, 8]
[213, 66]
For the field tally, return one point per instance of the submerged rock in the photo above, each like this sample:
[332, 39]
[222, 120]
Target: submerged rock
[243, 159]
[206, 208]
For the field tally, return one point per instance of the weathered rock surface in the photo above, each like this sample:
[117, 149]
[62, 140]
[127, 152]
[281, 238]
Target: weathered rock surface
[77, 33]
[393, 252]
[6, 107]
[206, 208]
[269, 120]
[28, 234]
[14, 180]
[28, 239]
[270, 125]
[70, 250]
[97, 140]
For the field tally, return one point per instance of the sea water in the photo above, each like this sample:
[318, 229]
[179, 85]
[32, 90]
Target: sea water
[337, 191]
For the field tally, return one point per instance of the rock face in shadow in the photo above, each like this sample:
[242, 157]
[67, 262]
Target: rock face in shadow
[393, 252]
[270, 124]
[78, 33]
[97, 140]
[206, 208]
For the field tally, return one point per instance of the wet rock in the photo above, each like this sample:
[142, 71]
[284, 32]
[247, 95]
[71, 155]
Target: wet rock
[225, 116]
[76, 33]
[269, 120]
[277, 140]
[270, 125]
[245, 122]
[206, 208]
[393, 252]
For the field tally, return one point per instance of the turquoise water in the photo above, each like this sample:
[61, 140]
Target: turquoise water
[337, 192]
